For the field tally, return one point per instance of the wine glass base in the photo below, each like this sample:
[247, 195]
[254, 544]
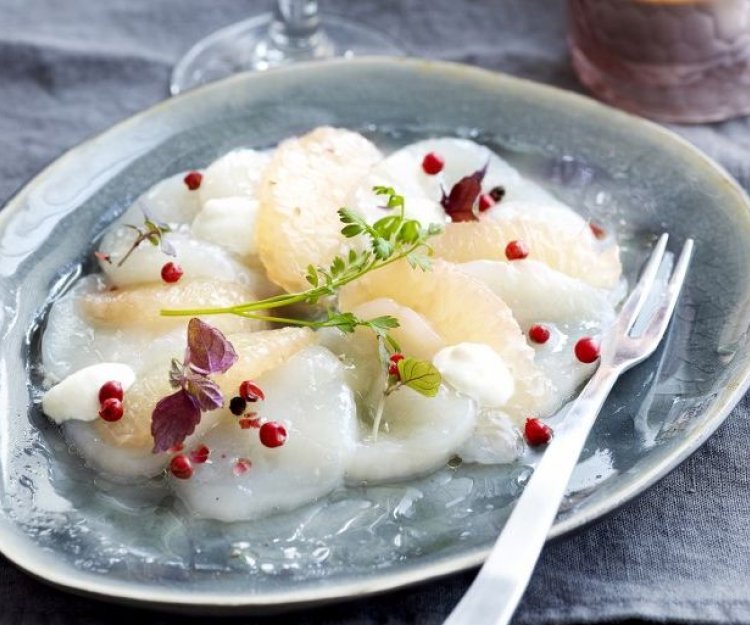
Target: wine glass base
[248, 46]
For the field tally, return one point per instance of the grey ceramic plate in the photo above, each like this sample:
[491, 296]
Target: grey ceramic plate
[62, 524]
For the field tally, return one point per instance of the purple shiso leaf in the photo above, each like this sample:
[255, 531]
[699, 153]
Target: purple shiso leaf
[206, 392]
[174, 419]
[176, 374]
[459, 203]
[208, 349]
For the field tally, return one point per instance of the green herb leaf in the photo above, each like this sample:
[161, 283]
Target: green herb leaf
[395, 201]
[346, 322]
[383, 248]
[385, 322]
[387, 226]
[337, 266]
[348, 216]
[419, 375]
[381, 190]
[312, 276]
[410, 231]
[351, 231]
[419, 260]
[393, 343]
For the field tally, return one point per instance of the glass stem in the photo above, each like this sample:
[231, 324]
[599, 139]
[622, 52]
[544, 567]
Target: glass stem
[296, 24]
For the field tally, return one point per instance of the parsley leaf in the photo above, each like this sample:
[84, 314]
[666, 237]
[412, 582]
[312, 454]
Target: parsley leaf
[386, 322]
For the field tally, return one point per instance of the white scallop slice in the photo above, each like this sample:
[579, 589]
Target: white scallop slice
[119, 463]
[72, 341]
[570, 308]
[309, 396]
[229, 222]
[486, 442]
[168, 201]
[235, 174]
[359, 351]
[496, 440]
[556, 358]
[358, 354]
[535, 292]
[555, 212]
[418, 435]
[198, 259]
[414, 334]
[403, 171]
[123, 449]
[123, 463]
[489, 441]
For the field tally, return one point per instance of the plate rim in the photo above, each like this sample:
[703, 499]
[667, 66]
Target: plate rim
[35, 562]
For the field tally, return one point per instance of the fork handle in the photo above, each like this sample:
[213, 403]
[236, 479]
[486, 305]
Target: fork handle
[500, 584]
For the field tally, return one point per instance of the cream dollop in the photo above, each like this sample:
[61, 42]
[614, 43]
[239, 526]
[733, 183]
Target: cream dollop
[77, 396]
[476, 370]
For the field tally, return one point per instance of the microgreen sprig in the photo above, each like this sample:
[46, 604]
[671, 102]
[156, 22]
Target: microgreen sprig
[419, 375]
[388, 240]
[151, 231]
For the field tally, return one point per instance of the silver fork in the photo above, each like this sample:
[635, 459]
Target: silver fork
[499, 586]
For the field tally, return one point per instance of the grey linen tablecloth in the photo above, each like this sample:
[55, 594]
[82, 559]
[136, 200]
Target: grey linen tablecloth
[70, 68]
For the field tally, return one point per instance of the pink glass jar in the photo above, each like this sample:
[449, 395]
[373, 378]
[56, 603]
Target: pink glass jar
[671, 60]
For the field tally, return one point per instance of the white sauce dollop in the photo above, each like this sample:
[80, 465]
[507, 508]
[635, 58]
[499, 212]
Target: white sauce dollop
[77, 396]
[476, 370]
